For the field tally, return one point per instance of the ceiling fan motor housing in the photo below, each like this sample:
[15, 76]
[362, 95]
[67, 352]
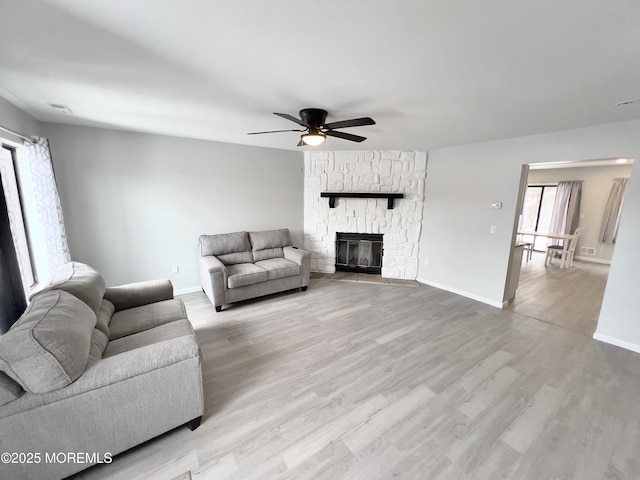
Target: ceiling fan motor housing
[313, 116]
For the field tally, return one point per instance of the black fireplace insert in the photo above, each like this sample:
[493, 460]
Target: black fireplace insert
[359, 252]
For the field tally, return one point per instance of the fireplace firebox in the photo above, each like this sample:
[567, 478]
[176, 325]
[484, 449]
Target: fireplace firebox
[359, 252]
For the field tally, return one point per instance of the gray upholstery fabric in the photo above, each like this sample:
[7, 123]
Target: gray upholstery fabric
[139, 293]
[117, 404]
[148, 384]
[81, 281]
[104, 317]
[267, 253]
[99, 342]
[237, 281]
[48, 347]
[224, 243]
[245, 274]
[263, 288]
[162, 333]
[9, 389]
[133, 320]
[279, 267]
[235, 258]
[269, 239]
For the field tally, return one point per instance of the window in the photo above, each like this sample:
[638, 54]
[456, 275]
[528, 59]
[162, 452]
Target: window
[536, 212]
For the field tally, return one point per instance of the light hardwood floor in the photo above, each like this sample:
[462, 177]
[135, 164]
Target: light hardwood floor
[569, 298]
[352, 380]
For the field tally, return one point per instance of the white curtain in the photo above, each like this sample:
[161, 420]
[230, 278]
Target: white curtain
[565, 216]
[44, 219]
[611, 217]
[15, 214]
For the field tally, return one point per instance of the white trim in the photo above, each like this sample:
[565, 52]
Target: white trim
[462, 293]
[184, 291]
[617, 342]
[593, 260]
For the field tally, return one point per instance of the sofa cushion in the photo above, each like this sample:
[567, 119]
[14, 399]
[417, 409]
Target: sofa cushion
[245, 274]
[279, 268]
[104, 317]
[224, 243]
[161, 333]
[99, 342]
[269, 239]
[138, 319]
[235, 258]
[48, 347]
[267, 253]
[9, 389]
[268, 244]
[81, 281]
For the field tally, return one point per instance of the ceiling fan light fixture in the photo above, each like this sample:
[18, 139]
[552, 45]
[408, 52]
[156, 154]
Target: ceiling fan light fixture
[313, 139]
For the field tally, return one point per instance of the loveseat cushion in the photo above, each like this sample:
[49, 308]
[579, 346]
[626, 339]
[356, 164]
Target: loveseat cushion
[48, 347]
[224, 243]
[138, 319]
[268, 244]
[81, 281]
[279, 267]
[9, 389]
[245, 274]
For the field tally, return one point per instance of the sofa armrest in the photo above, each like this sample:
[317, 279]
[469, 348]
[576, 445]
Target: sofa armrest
[213, 279]
[302, 258]
[139, 293]
[296, 254]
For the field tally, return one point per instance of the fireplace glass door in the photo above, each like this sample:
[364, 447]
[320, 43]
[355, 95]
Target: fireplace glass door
[359, 252]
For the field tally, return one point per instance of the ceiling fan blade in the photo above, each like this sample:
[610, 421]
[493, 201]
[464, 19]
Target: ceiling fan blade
[300, 143]
[292, 118]
[345, 136]
[356, 122]
[273, 131]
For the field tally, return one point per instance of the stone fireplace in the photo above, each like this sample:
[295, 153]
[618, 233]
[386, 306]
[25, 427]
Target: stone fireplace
[397, 220]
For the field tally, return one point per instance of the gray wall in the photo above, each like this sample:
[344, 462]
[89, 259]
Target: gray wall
[596, 187]
[13, 118]
[463, 181]
[135, 204]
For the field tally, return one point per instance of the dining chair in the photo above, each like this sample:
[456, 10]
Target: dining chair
[552, 250]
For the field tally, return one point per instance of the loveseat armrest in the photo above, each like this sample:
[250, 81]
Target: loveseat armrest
[296, 254]
[302, 258]
[139, 293]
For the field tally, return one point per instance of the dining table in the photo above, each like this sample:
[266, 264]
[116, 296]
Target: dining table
[555, 236]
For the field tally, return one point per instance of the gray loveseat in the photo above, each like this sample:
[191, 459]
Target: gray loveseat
[242, 265]
[93, 371]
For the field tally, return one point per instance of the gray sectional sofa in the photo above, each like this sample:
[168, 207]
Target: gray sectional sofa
[243, 265]
[93, 371]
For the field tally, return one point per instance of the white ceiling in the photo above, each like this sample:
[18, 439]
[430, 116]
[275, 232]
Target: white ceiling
[431, 73]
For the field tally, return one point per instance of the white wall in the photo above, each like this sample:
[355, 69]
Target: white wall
[596, 187]
[463, 181]
[135, 204]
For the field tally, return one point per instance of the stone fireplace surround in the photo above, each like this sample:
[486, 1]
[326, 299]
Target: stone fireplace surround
[370, 172]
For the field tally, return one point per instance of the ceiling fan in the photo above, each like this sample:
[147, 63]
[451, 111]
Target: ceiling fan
[316, 130]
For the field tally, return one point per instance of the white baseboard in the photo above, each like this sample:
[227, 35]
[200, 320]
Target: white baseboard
[593, 260]
[460, 292]
[617, 342]
[184, 291]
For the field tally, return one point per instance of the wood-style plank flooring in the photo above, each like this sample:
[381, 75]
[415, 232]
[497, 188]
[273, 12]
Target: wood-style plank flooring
[352, 380]
[569, 298]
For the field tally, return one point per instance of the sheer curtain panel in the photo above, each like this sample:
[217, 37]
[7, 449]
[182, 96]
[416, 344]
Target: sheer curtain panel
[566, 208]
[43, 211]
[611, 217]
